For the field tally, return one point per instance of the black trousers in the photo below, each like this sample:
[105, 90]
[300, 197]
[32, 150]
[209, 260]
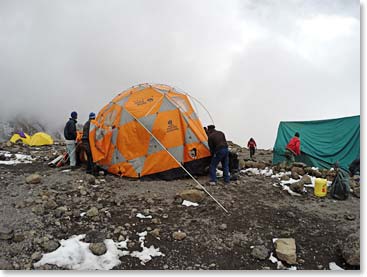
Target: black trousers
[90, 164]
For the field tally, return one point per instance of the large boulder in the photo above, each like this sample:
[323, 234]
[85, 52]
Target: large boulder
[285, 249]
[192, 195]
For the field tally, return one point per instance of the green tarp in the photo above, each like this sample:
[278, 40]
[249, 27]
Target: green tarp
[323, 142]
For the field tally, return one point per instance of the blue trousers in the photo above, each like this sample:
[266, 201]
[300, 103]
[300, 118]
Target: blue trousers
[220, 156]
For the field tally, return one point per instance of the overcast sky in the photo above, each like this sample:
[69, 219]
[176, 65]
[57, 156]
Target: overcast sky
[252, 63]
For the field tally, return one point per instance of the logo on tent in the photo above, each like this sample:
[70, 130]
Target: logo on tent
[171, 127]
[140, 102]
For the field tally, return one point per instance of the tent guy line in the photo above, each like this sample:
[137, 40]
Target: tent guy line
[192, 177]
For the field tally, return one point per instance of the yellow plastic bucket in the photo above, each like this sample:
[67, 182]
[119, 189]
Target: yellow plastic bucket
[320, 187]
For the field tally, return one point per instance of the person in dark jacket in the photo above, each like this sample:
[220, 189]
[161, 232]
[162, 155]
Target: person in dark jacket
[70, 138]
[219, 149]
[86, 145]
[251, 144]
[293, 149]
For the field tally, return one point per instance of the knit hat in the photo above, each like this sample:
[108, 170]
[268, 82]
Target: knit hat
[92, 115]
[74, 115]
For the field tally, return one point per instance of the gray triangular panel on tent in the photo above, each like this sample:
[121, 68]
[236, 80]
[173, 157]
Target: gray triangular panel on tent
[148, 121]
[190, 137]
[167, 105]
[117, 157]
[154, 146]
[125, 117]
[194, 116]
[114, 136]
[122, 102]
[138, 164]
[205, 143]
[177, 152]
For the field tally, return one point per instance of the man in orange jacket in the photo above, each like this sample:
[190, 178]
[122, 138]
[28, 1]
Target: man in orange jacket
[293, 149]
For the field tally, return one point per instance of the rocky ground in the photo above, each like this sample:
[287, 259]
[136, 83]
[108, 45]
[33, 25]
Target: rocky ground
[38, 211]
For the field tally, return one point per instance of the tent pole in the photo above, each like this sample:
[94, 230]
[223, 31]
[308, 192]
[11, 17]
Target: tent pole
[178, 162]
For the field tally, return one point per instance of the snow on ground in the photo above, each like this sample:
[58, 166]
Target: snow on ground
[268, 172]
[189, 203]
[15, 159]
[75, 254]
[140, 215]
[334, 266]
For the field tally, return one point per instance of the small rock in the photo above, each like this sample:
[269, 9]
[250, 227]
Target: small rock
[50, 246]
[155, 232]
[6, 233]
[121, 238]
[92, 212]
[33, 179]
[38, 210]
[284, 177]
[50, 205]
[98, 248]
[260, 252]
[295, 175]
[306, 179]
[165, 216]
[192, 195]
[36, 256]
[290, 214]
[165, 266]
[18, 237]
[319, 266]
[179, 235]
[350, 217]
[91, 179]
[297, 186]
[223, 227]
[156, 221]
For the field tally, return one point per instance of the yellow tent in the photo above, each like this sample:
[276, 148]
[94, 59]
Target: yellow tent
[40, 138]
[17, 137]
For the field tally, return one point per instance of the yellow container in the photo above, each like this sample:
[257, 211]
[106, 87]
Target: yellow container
[320, 187]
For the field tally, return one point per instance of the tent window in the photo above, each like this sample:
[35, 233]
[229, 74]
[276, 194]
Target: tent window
[181, 103]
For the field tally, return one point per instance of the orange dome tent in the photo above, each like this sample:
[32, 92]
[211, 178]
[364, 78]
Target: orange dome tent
[148, 130]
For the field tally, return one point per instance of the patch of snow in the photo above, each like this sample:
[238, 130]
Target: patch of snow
[272, 258]
[19, 158]
[189, 203]
[334, 266]
[268, 172]
[75, 254]
[66, 170]
[139, 215]
[147, 253]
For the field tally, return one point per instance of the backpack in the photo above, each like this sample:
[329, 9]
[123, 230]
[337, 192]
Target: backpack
[340, 187]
